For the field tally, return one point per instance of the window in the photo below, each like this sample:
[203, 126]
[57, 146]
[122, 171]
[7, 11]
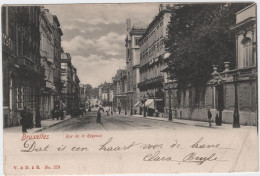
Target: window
[247, 52]
[136, 41]
[20, 96]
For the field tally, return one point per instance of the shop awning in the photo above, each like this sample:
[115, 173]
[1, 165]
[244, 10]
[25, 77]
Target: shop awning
[149, 103]
[138, 104]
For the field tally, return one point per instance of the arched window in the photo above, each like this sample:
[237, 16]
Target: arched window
[247, 52]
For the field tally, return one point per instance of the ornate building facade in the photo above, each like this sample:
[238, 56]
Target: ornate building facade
[134, 33]
[22, 71]
[152, 56]
[50, 89]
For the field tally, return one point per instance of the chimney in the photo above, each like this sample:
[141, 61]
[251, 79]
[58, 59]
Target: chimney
[128, 24]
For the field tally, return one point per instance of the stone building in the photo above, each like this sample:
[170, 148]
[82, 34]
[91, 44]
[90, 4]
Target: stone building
[120, 84]
[106, 94]
[134, 33]
[50, 89]
[83, 94]
[230, 89]
[75, 89]
[152, 56]
[22, 72]
[66, 78]
[119, 89]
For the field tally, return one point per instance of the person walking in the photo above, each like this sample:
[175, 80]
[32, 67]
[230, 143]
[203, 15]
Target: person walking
[209, 117]
[24, 120]
[119, 109]
[30, 119]
[99, 115]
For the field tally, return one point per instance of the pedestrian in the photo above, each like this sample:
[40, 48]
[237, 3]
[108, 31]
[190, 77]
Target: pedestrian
[24, 120]
[38, 118]
[30, 119]
[99, 115]
[53, 114]
[209, 117]
[61, 114]
[119, 109]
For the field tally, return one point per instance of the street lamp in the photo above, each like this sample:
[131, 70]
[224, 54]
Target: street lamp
[170, 106]
[236, 112]
[125, 108]
[218, 79]
[143, 100]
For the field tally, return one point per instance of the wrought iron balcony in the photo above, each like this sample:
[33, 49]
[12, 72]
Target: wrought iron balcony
[156, 82]
[7, 42]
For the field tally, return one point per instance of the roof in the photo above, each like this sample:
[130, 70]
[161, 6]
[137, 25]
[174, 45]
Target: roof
[139, 25]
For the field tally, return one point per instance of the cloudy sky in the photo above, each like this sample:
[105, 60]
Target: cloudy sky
[94, 35]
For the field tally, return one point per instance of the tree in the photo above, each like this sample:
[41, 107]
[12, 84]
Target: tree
[199, 36]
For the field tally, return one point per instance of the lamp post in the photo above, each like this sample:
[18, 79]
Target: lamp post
[236, 112]
[170, 106]
[125, 108]
[219, 86]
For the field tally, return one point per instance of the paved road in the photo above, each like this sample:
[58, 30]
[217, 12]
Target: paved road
[113, 122]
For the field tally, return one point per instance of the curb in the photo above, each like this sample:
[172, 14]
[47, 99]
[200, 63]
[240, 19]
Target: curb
[51, 126]
[163, 120]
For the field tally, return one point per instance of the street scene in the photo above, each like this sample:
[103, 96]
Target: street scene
[156, 88]
[54, 74]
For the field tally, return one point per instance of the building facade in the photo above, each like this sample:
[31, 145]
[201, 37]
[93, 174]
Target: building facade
[22, 71]
[75, 101]
[82, 95]
[134, 33]
[47, 61]
[106, 94]
[66, 78]
[120, 99]
[152, 56]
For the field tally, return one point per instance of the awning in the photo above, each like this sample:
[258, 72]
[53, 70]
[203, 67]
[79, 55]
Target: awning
[138, 104]
[149, 103]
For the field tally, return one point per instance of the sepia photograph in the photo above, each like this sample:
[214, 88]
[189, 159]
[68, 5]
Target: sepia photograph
[130, 88]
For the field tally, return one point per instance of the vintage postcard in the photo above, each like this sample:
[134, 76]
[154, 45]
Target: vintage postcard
[132, 88]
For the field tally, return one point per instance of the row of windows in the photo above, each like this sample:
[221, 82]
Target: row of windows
[155, 51]
[153, 31]
[152, 72]
[25, 96]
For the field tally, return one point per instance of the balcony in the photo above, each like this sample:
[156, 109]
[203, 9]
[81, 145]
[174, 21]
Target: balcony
[156, 82]
[7, 42]
[30, 65]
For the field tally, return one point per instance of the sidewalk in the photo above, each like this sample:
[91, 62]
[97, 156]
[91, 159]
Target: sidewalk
[44, 124]
[184, 121]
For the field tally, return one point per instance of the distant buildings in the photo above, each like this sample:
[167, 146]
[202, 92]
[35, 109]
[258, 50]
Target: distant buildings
[70, 91]
[106, 94]
[83, 94]
[119, 85]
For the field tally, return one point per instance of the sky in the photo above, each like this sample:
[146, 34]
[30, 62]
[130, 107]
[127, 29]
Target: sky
[94, 35]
